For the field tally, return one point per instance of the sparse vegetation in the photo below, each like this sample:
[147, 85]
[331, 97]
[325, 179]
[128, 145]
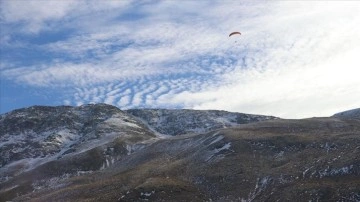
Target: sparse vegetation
[309, 160]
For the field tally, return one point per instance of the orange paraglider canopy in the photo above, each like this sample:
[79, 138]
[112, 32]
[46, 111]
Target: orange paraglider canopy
[233, 33]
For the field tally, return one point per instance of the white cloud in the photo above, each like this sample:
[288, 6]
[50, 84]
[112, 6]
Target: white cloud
[293, 59]
[37, 15]
[311, 71]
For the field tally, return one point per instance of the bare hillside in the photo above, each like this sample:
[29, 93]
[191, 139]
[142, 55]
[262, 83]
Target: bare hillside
[313, 159]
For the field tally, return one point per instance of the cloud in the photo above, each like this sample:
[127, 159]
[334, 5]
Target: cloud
[36, 16]
[293, 59]
[296, 73]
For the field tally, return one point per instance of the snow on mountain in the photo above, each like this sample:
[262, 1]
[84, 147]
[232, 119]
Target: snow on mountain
[101, 153]
[36, 135]
[42, 134]
[178, 122]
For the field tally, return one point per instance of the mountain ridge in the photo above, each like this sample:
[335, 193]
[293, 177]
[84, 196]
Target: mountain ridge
[58, 153]
[353, 113]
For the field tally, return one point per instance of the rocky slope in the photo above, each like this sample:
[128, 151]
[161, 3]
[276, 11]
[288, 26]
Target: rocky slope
[179, 122]
[351, 114]
[37, 136]
[100, 153]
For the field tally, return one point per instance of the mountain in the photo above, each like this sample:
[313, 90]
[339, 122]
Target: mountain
[36, 135]
[101, 153]
[351, 114]
[179, 122]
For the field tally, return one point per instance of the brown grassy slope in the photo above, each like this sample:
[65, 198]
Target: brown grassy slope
[286, 160]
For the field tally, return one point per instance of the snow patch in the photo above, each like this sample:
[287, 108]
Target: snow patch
[217, 139]
[306, 170]
[328, 171]
[147, 194]
[260, 186]
[216, 151]
[8, 189]
[120, 121]
[133, 148]
[52, 183]
[279, 155]
[109, 161]
[225, 147]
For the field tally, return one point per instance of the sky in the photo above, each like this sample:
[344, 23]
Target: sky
[293, 59]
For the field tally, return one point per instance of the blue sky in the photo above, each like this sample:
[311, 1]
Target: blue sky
[294, 59]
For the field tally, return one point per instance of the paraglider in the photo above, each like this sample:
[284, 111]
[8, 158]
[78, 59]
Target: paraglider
[234, 33]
